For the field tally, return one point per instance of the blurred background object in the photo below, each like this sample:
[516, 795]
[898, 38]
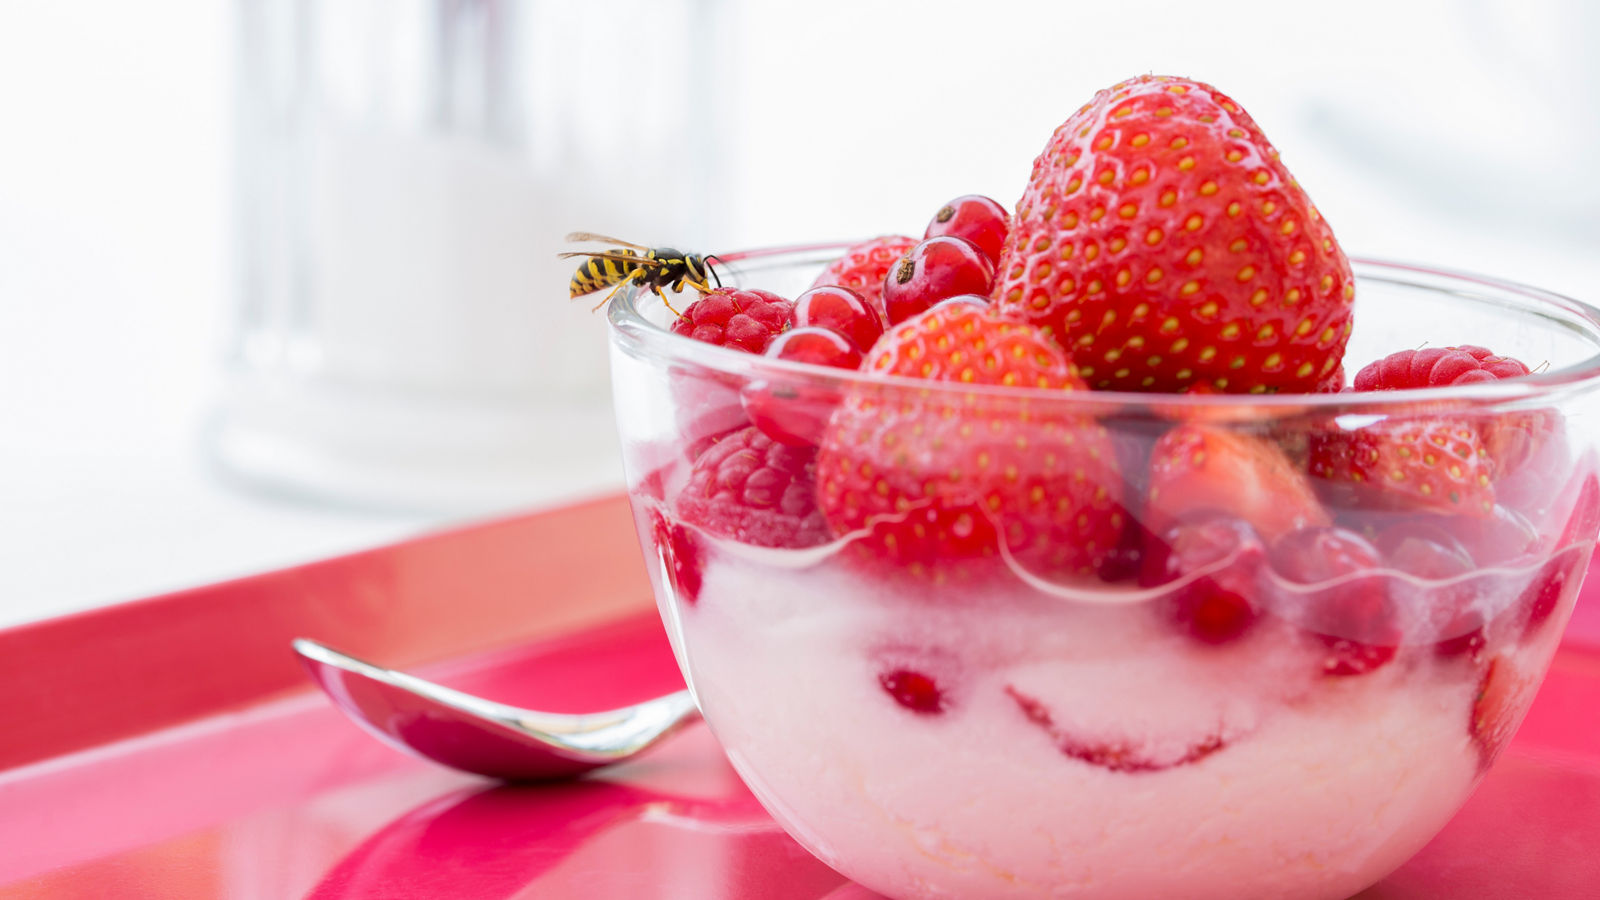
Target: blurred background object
[314, 242]
[405, 174]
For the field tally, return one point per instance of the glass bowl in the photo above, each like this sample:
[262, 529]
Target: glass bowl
[1235, 691]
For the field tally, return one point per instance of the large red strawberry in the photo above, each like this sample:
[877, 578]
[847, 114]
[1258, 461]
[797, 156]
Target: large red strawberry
[1198, 470]
[1161, 240]
[863, 267]
[1420, 463]
[947, 476]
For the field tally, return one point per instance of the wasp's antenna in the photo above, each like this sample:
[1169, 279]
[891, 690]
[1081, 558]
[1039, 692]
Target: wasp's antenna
[713, 271]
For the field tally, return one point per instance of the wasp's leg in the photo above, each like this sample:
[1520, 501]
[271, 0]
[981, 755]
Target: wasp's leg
[607, 298]
[665, 302]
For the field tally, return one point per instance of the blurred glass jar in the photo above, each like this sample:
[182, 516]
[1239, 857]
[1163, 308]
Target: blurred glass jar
[400, 334]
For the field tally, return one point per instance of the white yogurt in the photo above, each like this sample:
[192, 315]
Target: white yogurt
[1320, 787]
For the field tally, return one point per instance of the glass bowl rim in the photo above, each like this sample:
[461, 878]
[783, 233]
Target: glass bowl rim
[630, 327]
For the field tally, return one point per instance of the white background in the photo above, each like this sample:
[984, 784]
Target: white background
[1460, 134]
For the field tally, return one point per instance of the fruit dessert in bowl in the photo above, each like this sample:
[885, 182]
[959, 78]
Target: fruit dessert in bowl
[1052, 554]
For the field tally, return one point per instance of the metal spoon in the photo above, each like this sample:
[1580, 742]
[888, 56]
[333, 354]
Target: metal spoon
[481, 736]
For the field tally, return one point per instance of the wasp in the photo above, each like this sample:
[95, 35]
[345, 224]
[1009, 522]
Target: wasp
[654, 268]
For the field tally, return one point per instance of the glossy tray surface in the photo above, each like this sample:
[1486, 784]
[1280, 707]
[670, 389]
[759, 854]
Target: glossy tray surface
[282, 798]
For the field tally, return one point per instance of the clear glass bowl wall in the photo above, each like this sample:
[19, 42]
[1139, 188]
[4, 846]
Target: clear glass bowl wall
[1008, 725]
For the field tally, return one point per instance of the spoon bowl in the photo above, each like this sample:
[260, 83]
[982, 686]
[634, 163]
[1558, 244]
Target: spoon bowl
[481, 736]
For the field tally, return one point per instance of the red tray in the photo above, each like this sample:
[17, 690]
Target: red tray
[170, 749]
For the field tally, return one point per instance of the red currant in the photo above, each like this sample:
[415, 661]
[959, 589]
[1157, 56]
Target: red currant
[1217, 607]
[976, 218]
[1429, 552]
[795, 411]
[1352, 618]
[841, 310]
[937, 268]
[816, 345]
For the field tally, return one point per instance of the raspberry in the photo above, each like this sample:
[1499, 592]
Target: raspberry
[736, 318]
[755, 491]
[1436, 367]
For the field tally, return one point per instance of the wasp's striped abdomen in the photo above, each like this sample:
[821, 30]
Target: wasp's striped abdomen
[596, 273]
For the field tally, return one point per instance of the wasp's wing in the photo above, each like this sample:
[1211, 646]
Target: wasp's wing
[577, 236]
[619, 257]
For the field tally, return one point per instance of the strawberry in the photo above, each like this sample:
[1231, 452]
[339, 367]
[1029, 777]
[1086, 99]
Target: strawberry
[941, 478]
[862, 267]
[1415, 464]
[1525, 446]
[1436, 367]
[1198, 469]
[1497, 708]
[1332, 384]
[682, 555]
[755, 491]
[1117, 755]
[1567, 567]
[1163, 243]
[914, 690]
[735, 318]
